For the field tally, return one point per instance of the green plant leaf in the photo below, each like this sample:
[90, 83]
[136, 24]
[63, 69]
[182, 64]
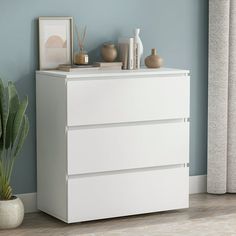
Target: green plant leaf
[23, 135]
[6, 191]
[0, 137]
[4, 109]
[13, 107]
[0, 126]
[1, 111]
[19, 118]
[13, 98]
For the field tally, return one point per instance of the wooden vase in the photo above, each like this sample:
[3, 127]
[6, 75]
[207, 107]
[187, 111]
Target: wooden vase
[153, 61]
[108, 52]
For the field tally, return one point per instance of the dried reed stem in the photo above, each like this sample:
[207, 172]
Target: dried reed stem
[81, 39]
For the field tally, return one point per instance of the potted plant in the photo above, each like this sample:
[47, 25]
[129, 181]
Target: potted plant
[14, 127]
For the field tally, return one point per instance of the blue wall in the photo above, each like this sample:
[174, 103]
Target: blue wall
[177, 28]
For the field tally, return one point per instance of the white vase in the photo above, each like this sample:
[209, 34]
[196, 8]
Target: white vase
[139, 44]
[11, 213]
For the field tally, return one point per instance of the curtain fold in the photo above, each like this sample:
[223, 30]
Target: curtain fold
[222, 97]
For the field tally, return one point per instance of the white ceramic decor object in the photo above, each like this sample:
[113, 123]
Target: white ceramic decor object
[11, 213]
[139, 49]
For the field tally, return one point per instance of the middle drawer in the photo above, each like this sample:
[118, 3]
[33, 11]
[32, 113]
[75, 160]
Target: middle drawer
[126, 147]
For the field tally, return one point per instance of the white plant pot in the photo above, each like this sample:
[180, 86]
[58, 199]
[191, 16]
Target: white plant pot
[11, 213]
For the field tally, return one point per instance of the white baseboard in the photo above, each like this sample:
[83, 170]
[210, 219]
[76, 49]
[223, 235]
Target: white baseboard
[197, 184]
[30, 201]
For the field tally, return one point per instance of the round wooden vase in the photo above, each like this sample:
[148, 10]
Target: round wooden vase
[108, 52]
[153, 61]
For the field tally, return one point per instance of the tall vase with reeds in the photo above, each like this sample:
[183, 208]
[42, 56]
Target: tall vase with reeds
[81, 57]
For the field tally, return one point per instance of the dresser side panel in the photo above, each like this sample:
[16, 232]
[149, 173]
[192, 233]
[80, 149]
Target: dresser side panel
[51, 145]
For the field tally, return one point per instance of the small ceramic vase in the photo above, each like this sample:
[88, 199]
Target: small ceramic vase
[108, 52]
[11, 213]
[81, 58]
[153, 61]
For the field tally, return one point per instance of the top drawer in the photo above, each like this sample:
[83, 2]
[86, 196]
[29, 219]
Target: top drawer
[116, 100]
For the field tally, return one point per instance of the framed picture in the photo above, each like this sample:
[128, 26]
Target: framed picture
[55, 42]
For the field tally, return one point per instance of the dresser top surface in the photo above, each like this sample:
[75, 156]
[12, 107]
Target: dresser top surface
[84, 73]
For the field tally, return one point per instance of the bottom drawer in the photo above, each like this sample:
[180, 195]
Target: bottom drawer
[128, 193]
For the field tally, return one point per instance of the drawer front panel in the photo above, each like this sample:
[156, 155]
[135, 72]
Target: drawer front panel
[105, 196]
[127, 147]
[126, 100]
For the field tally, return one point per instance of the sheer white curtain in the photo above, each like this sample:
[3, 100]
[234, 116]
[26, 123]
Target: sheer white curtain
[222, 97]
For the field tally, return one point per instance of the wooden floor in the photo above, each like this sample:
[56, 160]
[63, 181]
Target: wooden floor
[207, 215]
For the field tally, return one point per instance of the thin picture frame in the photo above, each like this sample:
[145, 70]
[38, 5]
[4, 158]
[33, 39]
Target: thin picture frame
[67, 52]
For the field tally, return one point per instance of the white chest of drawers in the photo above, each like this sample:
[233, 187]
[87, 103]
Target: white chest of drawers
[112, 144]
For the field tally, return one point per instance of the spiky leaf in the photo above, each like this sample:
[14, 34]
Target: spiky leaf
[23, 134]
[4, 109]
[0, 137]
[6, 191]
[13, 98]
[13, 107]
[0, 127]
[19, 118]
[2, 96]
